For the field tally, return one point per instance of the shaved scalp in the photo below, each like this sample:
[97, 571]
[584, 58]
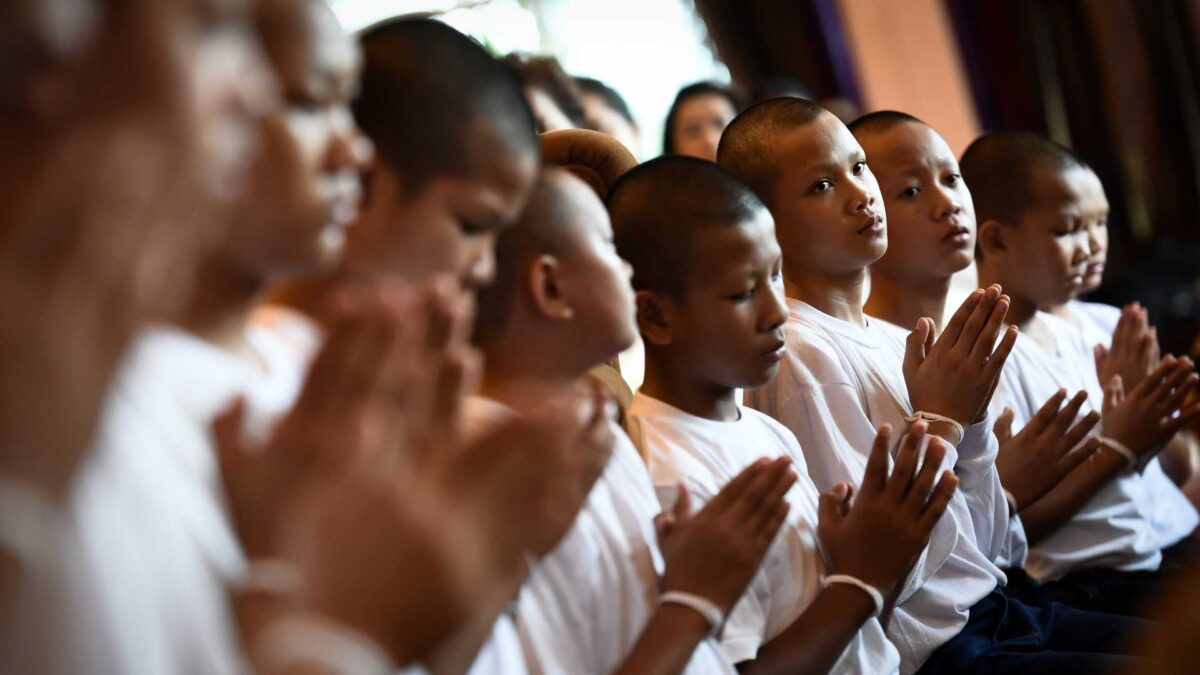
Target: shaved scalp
[999, 169]
[548, 226]
[748, 146]
[436, 104]
[881, 121]
[660, 208]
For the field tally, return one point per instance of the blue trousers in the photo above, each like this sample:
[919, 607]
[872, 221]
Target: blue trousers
[1005, 635]
[1104, 590]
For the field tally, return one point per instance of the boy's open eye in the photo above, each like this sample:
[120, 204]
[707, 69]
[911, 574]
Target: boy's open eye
[953, 179]
[859, 168]
[910, 192]
[822, 185]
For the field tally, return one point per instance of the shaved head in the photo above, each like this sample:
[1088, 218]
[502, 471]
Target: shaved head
[554, 223]
[436, 104]
[749, 146]
[1000, 168]
[660, 208]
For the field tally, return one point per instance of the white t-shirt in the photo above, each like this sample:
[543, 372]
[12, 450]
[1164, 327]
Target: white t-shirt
[584, 605]
[1171, 513]
[156, 540]
[705, 455]
[836, 384]
[1112, 529]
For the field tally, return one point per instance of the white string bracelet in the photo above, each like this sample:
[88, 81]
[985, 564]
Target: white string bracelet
[705, 607]
[270, 576]
[1120, 448]
[876, 596]
[1012, 502]
[934, 417]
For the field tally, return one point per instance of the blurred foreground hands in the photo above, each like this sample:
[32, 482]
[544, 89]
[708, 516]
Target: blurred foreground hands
[394, 525]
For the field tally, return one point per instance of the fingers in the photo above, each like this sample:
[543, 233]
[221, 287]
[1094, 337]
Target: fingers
[1114, 393]
[954, 327]
[914, 347]
[1180, 394]
[1155, 378]
[900, 482]
[682, 510]
[764, 509]
[833, 504]
[1068, 414]
[985, 342]
[1100, 355]
[748, 485]
[995, 364]
[1078, 456]
[1077, 433]
[1003, 424]
[935, 452]
[1047, 413]
[977, 320]
[875, 477]
[939, 499]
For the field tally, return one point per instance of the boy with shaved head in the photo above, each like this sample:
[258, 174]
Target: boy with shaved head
[844, 373]
[607, 598]
[1035, 200]
[931, 237]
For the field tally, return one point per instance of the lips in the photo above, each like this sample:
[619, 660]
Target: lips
[776, 351]
[873, 223]
[958, 235]
[1094, 270]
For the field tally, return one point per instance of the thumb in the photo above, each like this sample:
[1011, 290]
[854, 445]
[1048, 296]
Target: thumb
[1003, 426]
[1100, 354]
[683, 506]
[832, 506]
[914, 347]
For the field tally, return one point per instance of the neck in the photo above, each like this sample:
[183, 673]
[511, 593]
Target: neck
[220, 307]
[839, 296]
[1020, 310]
[524, 390]
[308, 295]
[903, 302]
[675, 386]
[523, 377]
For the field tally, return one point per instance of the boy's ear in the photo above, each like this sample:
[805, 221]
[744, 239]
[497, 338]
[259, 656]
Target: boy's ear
[545, 288]
[653, 318]
[992, 240]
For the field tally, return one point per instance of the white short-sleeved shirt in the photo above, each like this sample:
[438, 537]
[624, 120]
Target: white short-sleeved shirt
[836, 384]
[705, 455]
[1171, 513]
[156, 541]
[586, 602]
[1112, 529]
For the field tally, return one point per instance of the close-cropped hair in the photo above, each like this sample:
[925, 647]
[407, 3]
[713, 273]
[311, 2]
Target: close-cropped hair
[999, 167]
[690, 91]
[660, 208]
[880, 121]
[432, 97]
[544, 228]
[748, 146]
[611, 97]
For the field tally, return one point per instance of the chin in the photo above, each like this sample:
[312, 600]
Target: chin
[756, 379]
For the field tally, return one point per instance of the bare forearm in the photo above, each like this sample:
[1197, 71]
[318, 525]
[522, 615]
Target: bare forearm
[1043, 517]
[667, 642]
[813, 643]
